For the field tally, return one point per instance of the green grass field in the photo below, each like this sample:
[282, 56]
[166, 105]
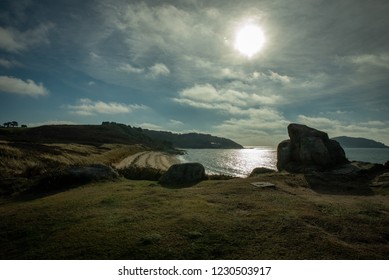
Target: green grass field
[217, 219]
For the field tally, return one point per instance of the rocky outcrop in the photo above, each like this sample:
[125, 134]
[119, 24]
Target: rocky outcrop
[183, 174]
[307, 150]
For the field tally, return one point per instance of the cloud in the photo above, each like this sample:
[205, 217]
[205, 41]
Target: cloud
[158, 69]
[370, 60]
[9, 63]
[175, 123]
[279, 78]
[206, 96]
[249, 117]
[52, 122]
[18, 86]
[87, 107]
[151, 26]
[374, 129]
[264, 126]
[15, 41]
[128, 68]
[150, 126]
[318, 122]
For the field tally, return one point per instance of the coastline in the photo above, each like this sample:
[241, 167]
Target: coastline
[157, 160]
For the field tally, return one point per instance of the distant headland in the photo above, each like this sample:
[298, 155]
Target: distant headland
[116, 133]
[358, 142]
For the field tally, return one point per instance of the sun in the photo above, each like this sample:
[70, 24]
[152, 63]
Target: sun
[249, 39]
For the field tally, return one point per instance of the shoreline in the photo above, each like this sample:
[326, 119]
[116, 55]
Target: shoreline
[156, 160]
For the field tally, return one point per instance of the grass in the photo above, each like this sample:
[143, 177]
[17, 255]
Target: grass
[29, 159]
[219, 219]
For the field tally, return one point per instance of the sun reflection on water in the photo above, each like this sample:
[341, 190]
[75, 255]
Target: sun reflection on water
[236, 162]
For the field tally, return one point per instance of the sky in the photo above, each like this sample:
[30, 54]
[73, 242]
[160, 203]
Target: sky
[174, 65]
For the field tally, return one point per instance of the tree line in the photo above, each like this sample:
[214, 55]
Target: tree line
[13, 124]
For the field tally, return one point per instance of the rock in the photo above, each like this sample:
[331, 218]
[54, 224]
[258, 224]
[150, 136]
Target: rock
[261, 170]
[184, 173]
[263, 185]
[284, 154]
[308, 150]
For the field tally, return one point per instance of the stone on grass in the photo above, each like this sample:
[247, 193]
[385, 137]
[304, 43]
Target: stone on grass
[183, 173]
[261, 170]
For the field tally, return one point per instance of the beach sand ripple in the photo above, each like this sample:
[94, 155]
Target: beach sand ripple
[157, 160]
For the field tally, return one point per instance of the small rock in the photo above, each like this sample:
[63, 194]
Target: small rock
[261, 170]
[263, 185]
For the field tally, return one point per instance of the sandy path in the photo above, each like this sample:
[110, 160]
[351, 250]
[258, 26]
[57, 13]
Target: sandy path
[158, 160]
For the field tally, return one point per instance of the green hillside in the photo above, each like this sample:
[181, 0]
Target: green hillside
[193, 140]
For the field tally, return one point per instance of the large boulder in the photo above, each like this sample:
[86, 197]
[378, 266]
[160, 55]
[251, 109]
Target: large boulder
[183, 174]
[308, 149]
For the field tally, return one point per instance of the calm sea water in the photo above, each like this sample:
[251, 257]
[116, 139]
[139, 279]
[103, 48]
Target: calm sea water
[368, 155]
[236, 162]
[240, 162]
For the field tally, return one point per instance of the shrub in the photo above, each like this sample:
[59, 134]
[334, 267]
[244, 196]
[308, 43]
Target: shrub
[141, 173]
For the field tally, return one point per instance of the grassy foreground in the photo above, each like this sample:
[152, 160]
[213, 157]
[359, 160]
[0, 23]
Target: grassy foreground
[230, 219]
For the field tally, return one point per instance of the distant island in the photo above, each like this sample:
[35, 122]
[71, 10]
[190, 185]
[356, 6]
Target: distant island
[358, 142]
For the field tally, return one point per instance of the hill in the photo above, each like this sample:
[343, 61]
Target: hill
[353, 142]
[115, 133]
[110, 133]
[193, 140]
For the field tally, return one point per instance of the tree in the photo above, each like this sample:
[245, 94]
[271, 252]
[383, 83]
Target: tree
[11, 124]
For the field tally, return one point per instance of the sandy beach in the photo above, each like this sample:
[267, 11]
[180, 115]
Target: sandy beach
[158, 160]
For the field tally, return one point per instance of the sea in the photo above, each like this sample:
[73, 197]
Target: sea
[240, 162]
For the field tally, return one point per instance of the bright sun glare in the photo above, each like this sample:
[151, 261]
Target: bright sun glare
[249, 39]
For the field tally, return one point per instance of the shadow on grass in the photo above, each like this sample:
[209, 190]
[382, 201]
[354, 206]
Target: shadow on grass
[325, 183]
[62, 180]
[43, 188]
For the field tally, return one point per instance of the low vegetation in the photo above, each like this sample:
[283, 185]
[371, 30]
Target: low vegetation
[232, 219]
[141, 173]
[28, 159]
